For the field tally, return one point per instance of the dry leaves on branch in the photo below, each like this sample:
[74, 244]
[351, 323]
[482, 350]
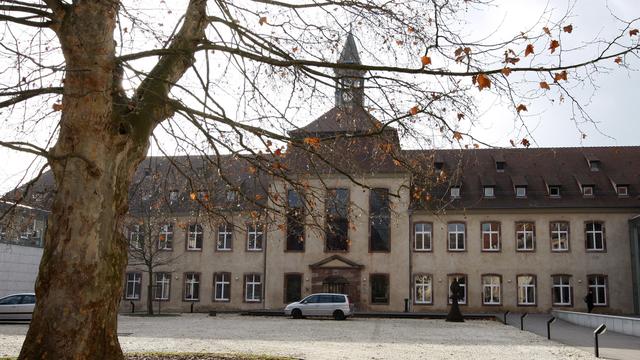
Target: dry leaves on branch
[263, 20]
[554, 45]
[560, 76]
[457, 135]
[546, 30]
[313, 141]
[618, 60]
[568, 28]
[528, 50]
[57, 107]
[506, 71]
[483, 81]
[633, 32]
[425, 60]
[525, 142]
[414, 110]
[544, 85]
[521, 107]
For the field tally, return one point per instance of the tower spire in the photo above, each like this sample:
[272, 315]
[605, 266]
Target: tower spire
[349, 54]
[349, 82]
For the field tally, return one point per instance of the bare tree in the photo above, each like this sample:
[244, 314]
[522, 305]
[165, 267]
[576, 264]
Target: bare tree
[104, 77]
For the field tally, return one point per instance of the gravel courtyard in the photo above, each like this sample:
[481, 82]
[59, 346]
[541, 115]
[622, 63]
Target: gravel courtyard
[324, 339]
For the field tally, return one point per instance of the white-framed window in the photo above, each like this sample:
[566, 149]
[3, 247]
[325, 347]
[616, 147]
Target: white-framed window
[521, 191]
[525, 236]
[561, 290]
[622, 190]
[491, 285]
[225, 237]
[192, 286]
[422, 235]
[254, 237]
[231, 195]
[455, 192]
[222, 286]
[559, 236]
[162, 284]
[526, 290]
[136, 237]
[462, 281]
[554, 191]
[173, 195]
[490, 236]
[598, 288]
[132, 289]
[587, 190]
[488, 191]
[456, 234]
[253, 288]
[594, 233]
[423, 289]
[3, 232]
[195, 234]
[165, 239]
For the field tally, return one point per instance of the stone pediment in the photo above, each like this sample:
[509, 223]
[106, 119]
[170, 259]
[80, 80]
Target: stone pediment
[336, 261]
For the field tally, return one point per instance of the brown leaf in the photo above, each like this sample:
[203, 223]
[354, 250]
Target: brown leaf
[525, 142]
[458, 51]
[425, 60]
[295, 49]
[57, 107]
[560, 76]
[192, 196]
[544, 85]
[483, 81]
[521, 107]
[528, 50]
[568, 28]
[457, 135]
[414, 110]
[546, 30]
[399, 42]
[506, 71]
[618, 60]
[411, 29]
[263, 20]
[460, 116]
[511, 61]
[313, 141]
[554, 45]
[513, 143]
[278, 152]
[633, 32]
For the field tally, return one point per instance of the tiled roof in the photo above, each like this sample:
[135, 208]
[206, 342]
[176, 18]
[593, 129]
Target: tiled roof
[340, 120]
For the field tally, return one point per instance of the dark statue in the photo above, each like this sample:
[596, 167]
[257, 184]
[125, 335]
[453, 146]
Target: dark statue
[454, 314]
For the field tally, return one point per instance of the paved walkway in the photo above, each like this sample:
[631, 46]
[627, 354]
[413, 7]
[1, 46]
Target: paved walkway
[612, 345]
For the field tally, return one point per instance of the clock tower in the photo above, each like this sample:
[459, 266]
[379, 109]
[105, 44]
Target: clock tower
[349, 82]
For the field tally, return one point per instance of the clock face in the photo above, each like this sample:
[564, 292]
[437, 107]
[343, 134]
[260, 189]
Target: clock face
[347, 96]
[347, 83]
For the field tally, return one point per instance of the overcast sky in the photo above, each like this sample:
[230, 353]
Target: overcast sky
[613, 107]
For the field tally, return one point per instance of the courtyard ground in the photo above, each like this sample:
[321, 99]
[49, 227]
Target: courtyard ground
[324, 339]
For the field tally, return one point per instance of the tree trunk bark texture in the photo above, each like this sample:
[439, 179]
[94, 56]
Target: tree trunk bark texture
[80, 278]
[150, 292]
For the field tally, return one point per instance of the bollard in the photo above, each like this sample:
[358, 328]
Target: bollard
[192, 308]
[133, 306]
[549, 322]
[598, 331]
[505, 317]
[522, 320]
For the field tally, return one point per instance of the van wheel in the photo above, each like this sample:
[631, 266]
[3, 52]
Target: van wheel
[296, 314]
[338, 315]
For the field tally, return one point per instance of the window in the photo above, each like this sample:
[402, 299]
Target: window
[253, 288]
[192, 286]
[231, 196]
[598, 287]
[500, 166]
[594, 165]
[594, 231]
[337, 220]
[489, 191]
[132, 290]
[222, 286]
[438, 165]
[173, 195]
[526, 290]
[3, 232]
[136, 237]
[455, 192]
[462, 281]
[165, 239]
[456, 236]
[379, 288]
[587, 190]
[423, 287]
[295, 221]
[521, 191]
[554, 191]
[491, 289]
[490, 236]
[292, 287]
[526, 236]
[622, 190]
[162, 283]
[379, 220]
[195, 235]
[254, 237]
[561, 290]
[559, 236]
[203, 195]
[225, 237]
[422, 233]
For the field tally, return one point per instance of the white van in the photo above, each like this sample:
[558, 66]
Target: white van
[324, 304]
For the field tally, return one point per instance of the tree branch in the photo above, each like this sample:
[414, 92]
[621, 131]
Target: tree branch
[27, 94]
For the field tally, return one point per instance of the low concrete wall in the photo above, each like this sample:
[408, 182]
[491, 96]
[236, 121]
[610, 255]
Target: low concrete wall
[619, 324]
[18, 268]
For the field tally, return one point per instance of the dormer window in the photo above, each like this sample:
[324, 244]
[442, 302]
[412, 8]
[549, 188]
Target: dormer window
[622, 190]
[489, 191]
[587, 190]
[594, 165]
[554, 191]
[173, 195]
[500, 165]
[438, 165]
[455, 192]
[521, 191]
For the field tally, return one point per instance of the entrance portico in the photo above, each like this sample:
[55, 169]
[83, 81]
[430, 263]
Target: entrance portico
[337, 274]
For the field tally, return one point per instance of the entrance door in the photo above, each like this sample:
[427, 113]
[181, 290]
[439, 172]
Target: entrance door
[335, 285]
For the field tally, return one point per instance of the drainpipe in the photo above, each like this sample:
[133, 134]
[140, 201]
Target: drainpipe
[410, 297]
[264, 261]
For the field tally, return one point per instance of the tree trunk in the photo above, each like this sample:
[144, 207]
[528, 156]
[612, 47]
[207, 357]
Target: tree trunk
[79, 285]
[150, 292]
